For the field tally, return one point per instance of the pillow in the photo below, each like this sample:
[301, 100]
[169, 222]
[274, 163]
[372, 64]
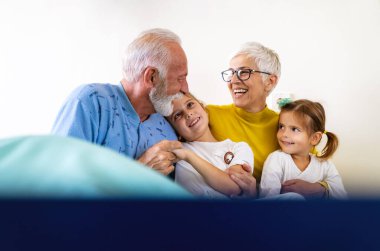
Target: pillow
[62, 167]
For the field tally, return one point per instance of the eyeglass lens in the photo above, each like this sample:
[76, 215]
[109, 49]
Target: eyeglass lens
[242, 74]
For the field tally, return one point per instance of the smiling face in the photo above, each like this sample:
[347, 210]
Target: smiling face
[293, 136]
[189, 119]
[250, 94]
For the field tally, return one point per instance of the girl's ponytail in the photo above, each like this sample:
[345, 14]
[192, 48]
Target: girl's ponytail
[330, 147]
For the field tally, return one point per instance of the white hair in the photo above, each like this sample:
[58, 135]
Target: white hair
[150, 48]
[267, 60]
[163, 103]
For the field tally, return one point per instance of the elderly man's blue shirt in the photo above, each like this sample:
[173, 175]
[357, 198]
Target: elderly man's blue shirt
[103, 114]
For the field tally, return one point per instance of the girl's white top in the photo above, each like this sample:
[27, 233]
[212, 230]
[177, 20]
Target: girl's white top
[280, 167]
[214, 153]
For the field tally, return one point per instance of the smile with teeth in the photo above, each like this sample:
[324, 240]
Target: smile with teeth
[239, 92]
[287, 143]
[195, 121]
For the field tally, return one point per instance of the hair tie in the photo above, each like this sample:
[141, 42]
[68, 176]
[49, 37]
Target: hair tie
[324, 132]
[283, 101]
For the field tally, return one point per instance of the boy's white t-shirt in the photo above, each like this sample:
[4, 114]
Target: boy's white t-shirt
[280, 167]
[214, 153]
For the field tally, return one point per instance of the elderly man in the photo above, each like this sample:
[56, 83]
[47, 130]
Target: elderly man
[123, 116]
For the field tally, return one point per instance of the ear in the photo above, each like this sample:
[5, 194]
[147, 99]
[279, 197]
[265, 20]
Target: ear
[150, 76]
[316, 138]
[270, 83]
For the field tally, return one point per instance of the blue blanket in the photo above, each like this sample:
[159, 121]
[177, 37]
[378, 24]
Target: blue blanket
[58, 167]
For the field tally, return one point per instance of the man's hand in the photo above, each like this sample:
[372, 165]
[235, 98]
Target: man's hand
[306, 189]
[161, 157]
[245, 180]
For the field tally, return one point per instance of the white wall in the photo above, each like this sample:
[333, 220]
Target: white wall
[328, 48]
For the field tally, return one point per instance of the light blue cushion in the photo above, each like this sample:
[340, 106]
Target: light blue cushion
[58, 167]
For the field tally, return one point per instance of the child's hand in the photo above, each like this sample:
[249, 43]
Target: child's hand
[244, 179]
[160, 156]
[181, 153]
[306, 189]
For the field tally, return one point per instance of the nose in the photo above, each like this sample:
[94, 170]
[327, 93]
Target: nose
[285, 133]
[188, 115]
[185, 87]
[235, 79]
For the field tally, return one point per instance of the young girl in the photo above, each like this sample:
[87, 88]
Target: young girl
[203, 159]
[300, 129]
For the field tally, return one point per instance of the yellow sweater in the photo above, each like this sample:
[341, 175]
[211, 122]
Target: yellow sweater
[257, 129]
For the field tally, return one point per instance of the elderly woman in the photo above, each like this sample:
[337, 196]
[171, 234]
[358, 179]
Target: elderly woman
[253, 73]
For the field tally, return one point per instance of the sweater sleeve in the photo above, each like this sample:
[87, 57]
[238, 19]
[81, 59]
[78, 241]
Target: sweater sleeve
[243, 155]
[334, 181]
[272, 176]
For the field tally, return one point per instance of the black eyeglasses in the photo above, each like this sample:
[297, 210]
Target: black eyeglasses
[242, 74]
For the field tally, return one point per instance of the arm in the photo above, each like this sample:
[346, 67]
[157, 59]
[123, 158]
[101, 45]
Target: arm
[272, 176]
[244, 179]
[334, 182]
[307, 189]
[160, 156]
[243, 176]
[76, 119]
[214, 177]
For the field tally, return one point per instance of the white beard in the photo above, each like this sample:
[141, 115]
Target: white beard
[162, 103]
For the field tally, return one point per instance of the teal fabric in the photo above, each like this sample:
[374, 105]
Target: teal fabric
[61, 167]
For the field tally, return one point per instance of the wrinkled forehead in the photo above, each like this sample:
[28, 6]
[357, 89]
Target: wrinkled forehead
[177, 53]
